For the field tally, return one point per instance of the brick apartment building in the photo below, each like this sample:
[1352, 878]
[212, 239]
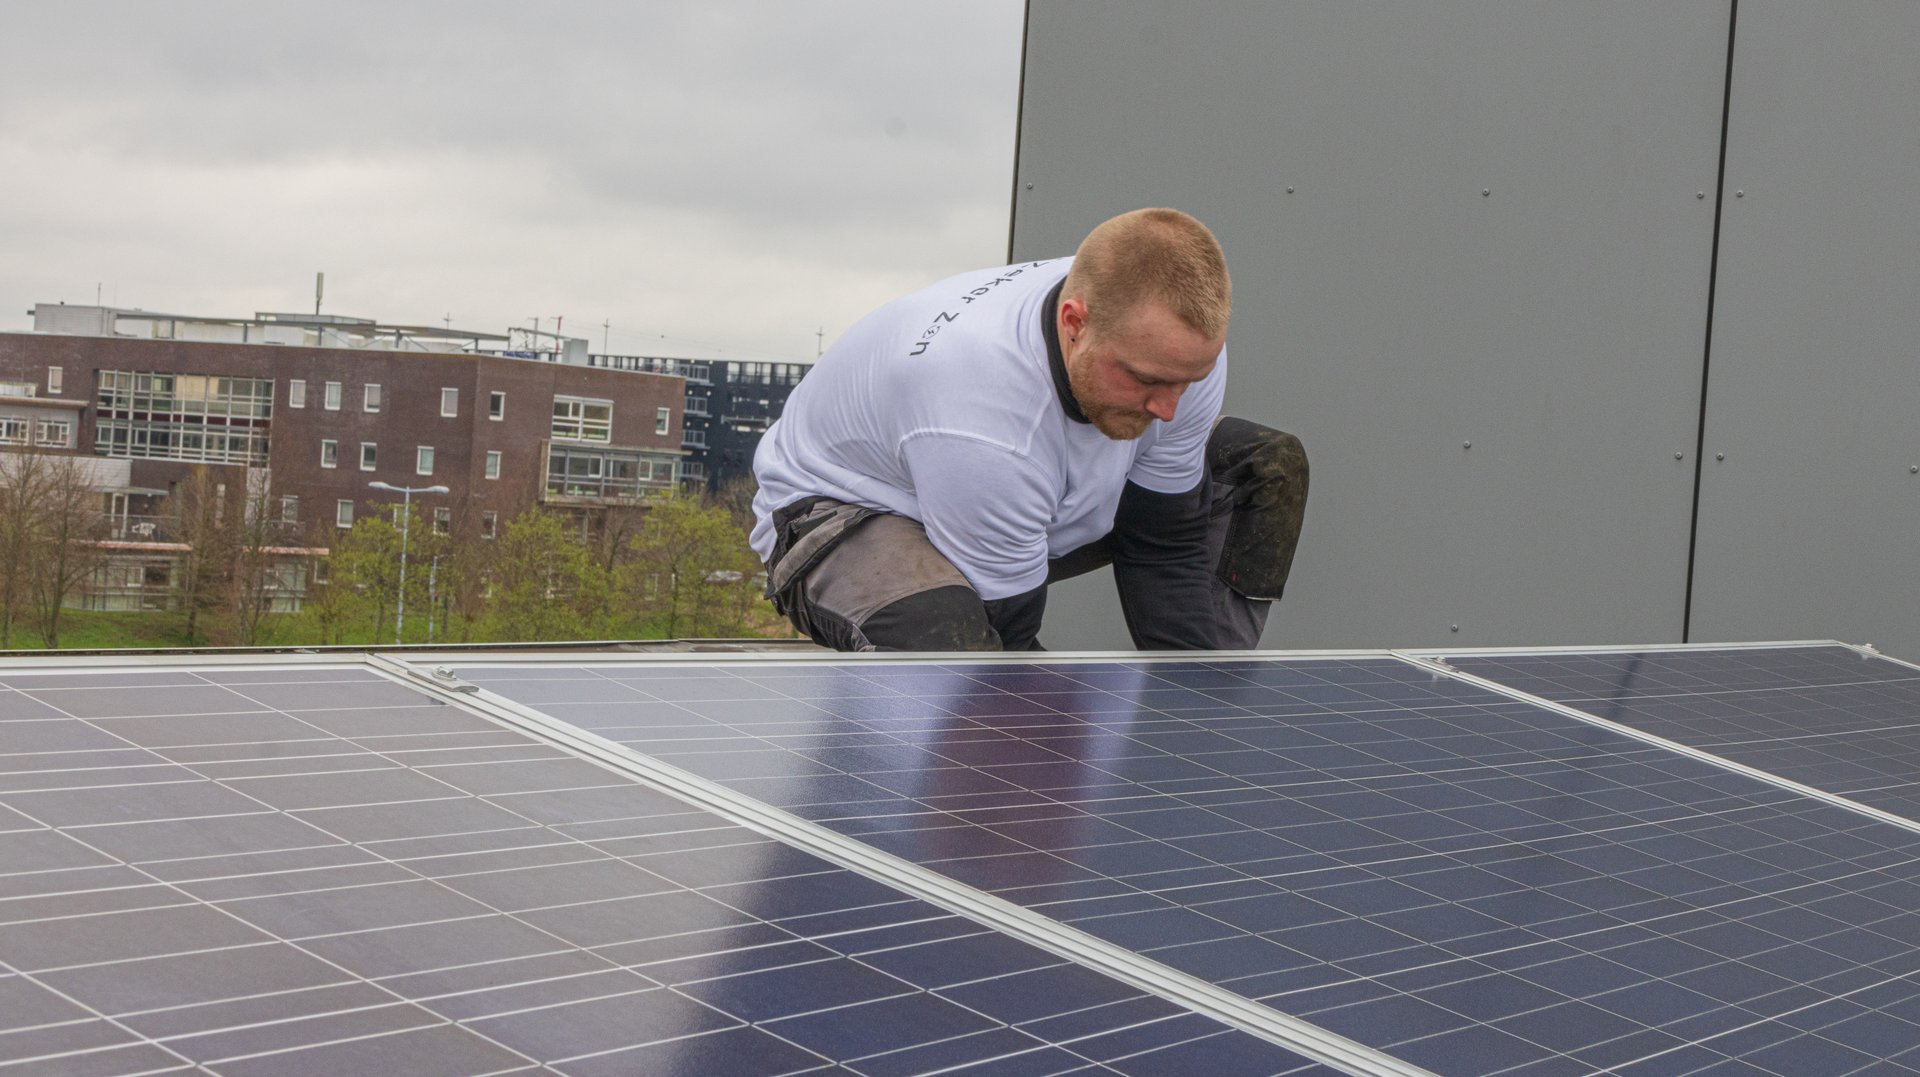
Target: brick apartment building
[317, 424]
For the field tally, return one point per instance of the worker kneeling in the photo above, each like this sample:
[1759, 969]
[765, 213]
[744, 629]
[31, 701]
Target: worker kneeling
[962, 447]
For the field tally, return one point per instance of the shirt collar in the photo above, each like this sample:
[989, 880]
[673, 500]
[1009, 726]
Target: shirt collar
[1050, 328]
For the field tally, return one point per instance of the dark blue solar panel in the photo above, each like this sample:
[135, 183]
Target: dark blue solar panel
[1827, 717]
[320, 870]
[1473, 884]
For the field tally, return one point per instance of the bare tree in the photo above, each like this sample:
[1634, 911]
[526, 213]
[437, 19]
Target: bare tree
[67, 528]
[258, 573]
[22, 490]
[201, 518]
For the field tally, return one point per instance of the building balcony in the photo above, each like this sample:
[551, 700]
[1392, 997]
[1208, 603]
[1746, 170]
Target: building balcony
[124, 528]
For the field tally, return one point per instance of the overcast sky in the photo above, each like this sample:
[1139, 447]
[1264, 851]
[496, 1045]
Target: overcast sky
[716, 178]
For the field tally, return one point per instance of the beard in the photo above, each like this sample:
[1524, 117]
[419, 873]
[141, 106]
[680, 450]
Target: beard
[1120, 424]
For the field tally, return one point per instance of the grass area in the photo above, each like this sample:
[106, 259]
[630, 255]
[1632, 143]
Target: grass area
[89, 630]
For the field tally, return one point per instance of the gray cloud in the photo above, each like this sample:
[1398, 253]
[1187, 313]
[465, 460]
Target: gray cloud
[737, 173]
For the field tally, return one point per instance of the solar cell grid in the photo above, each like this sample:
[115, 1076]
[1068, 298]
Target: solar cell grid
[1828, 717]
[1475, 884]
[310, 870]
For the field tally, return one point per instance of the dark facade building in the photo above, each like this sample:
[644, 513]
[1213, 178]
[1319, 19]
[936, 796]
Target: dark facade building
[729, 406]
[312, 427]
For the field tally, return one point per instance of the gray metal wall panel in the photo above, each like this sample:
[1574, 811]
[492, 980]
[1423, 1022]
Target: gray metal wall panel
[1810, 526]
[1388, 312]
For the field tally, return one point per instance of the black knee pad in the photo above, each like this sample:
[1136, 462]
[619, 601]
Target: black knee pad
[942, 619]
[1263, 476]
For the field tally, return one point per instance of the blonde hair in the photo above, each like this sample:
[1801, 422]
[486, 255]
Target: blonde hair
[1148, 254]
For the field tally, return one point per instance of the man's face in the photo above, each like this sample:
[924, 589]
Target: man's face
[1127, 377]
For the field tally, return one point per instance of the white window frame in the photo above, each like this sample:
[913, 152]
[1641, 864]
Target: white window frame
[493, 464]
[497, 405]
[329, 452]
[662, 420]
[423, 459]
[371, 397]
[290, 508]
[442, 520]
[56, 376]
[331, 396]
[297, 393]
[489, 524]
[449, 403]
[570, 413]
[44, 427]
[369, 455]
[343, 513]
[15, 430]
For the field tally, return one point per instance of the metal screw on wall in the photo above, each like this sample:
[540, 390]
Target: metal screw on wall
[1466, 444]
[1719, 456]
[1679, 456]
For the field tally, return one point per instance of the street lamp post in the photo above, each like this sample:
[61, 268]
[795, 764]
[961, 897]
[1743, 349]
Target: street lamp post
[406, 518]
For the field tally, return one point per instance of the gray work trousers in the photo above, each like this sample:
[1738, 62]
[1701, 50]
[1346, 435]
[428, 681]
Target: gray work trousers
[858, 579]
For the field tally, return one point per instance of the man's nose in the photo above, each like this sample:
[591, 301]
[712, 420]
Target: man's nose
[1162, 401]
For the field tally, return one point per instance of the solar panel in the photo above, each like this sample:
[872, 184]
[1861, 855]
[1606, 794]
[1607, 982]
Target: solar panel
[313, 868]
[1829, 717]
[1470, 883]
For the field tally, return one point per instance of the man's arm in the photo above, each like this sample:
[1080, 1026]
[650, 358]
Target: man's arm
[1160, 565]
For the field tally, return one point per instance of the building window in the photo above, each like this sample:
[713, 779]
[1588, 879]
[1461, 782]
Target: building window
[489, 524]
[56, 433]
[14, 431]
[607, 473]
[662, 420]
[423, 460]
[297, 393]
[442, 520]
[493, 463]
[449, 403]
[198, 417]
[329, 453]
[343, 513]
[496, 406]
[370, 401]
[16, 388]
[578, 418]
[332, 400]
[55, 376]
[289, 508]
[369, 455]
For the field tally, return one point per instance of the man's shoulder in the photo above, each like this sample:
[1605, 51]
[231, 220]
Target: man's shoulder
[981, 307]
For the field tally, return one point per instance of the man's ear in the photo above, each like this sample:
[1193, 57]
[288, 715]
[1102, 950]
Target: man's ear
[1073, 318]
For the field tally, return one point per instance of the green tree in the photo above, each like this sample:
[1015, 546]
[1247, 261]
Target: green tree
[330, 605]
[546, 583]
[692, 572]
